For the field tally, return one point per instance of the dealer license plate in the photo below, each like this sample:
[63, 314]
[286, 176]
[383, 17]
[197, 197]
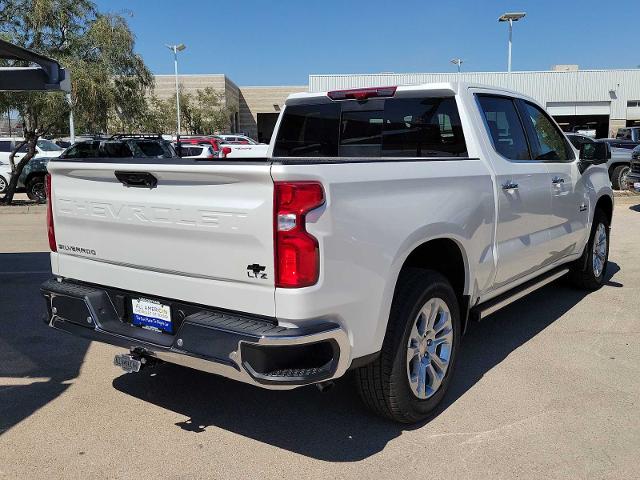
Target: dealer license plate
[151, 314]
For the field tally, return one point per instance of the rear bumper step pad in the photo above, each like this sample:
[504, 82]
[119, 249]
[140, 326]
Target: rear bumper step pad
[247, 348]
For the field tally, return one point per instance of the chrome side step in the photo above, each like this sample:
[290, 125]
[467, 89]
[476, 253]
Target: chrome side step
[491, 306]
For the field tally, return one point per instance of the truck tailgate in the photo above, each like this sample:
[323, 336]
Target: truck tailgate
[202, 234]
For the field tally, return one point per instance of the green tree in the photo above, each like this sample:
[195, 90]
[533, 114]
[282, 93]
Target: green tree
[108, 79]
[201, 113]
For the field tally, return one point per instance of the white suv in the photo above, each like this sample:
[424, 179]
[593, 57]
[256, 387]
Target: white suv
[44, 148]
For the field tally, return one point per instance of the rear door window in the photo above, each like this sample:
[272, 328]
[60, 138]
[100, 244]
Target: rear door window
[504, 126]
[82, 150]
[115, 150]
[6, 146]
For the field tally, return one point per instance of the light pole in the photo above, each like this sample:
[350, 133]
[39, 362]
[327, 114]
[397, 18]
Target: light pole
[511, 17]
[458, 62]
[175, 49]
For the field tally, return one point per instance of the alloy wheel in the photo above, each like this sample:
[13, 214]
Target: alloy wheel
[429, 348]
[599, 253]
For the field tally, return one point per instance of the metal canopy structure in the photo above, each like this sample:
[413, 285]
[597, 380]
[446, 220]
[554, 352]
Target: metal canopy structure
[49, 75]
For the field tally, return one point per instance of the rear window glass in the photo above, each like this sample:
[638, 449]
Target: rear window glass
[405, 127]
[5, 146]
[309, 131]
[427, 127]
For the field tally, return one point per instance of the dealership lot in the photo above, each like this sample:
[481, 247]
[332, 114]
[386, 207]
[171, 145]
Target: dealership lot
[547, 387]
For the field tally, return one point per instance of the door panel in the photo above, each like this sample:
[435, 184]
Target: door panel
[569, 205]
[523, 197]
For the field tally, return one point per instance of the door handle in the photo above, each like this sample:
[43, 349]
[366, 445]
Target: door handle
[557, 180]
[509, 185]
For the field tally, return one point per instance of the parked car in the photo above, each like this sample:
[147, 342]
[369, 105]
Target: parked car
[5, 175]
[212, 140]
[195, 151]
[381, 221]
[244, 150]
[31, 180]
[619, 162]
[577, 140]
[44, 148]
[238, 139]
[122, 146]
[631, 134]
[633, 177]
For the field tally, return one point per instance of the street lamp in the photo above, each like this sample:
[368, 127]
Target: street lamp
[511, 17]
[458, 62]
[175, 49]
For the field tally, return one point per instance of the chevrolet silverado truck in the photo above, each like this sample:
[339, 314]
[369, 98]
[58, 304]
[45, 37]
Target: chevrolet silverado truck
[379, 224]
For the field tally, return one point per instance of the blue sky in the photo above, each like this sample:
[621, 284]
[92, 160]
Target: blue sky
[281, 42]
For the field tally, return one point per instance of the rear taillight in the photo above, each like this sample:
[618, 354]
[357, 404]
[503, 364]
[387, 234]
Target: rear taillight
[50, 230]
[362, 93]
[297, 257]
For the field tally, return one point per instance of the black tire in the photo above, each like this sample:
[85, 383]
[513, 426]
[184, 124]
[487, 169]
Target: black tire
[4, 184]
[384, 384]
[36, 189]
[618, 176]
[583, 273]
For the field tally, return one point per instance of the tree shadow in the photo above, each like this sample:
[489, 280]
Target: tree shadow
[36, 362]
[334, 426]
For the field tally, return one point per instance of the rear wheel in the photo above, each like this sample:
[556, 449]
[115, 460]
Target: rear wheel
[619, 176]
[589, 271]
[411, 376]
[36, 189]
[3, 184]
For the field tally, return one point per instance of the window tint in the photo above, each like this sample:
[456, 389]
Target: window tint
[422, 127]
[114, 150]
[547, 142]
[5, 145]
[309, 130]
[504, 127]
[406, 127]
[82, 150]
[152, 149]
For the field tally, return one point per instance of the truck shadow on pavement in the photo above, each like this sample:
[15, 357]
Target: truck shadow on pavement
[37, 363]
[335, 426]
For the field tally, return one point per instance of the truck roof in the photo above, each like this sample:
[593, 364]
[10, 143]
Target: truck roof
[440, 87]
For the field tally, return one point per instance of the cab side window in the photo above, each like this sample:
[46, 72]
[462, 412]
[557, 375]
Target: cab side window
[547, 142]
[504, 126]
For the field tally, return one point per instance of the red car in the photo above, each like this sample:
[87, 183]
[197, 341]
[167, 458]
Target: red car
[209, 140]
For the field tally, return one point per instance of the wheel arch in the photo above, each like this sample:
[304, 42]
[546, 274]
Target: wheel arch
[605, 203]
[446, 256]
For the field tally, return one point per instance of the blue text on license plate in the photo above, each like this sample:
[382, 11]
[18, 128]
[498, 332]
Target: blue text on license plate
[151, 314]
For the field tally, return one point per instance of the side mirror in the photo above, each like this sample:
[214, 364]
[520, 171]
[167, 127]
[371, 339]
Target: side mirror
[595, 153]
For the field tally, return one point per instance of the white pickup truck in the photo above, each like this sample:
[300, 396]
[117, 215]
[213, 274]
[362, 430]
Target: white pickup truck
[380, 222]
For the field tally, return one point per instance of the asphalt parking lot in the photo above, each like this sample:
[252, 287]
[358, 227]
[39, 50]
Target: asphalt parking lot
[547, 388]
